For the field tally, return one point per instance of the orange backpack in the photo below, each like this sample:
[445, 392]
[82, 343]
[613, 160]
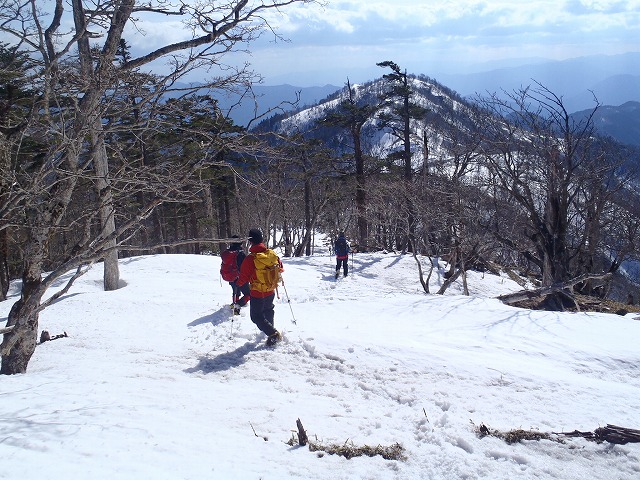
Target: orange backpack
[268, 268]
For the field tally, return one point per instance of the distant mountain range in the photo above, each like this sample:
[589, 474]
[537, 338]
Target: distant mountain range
[621, 123]
[613, 80]
[279, 98]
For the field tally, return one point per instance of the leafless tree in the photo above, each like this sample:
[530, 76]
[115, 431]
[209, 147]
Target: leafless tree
[77, 74]
[397, 119]
[16, 106]
[551, 171]
[351, 115]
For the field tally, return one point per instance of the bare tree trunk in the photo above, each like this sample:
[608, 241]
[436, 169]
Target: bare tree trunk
[209, 212]
[408, 171]
[194, 228]
[161, 232]
[465, 286]
[4, 264]
[111, 276]
[424, 282]
[307, 214]
[306, 241]
[286, 229]
[447, 283]
[361, 193]
[4, 236]
[224, 215]
[286, 236]
[425, 153]
[453, 261]
[19, 344]
[175, 223]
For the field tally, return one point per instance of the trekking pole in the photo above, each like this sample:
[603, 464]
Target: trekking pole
[233, 317]
[293, 317]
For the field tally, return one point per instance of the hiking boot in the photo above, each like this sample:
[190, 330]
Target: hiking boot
[273, 339]
[236, 310]
[337, 274]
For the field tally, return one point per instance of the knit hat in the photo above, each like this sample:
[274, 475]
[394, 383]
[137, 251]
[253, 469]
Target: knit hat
[236, 245]
[255, 236]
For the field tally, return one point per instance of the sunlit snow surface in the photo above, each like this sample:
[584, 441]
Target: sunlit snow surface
[155, 381]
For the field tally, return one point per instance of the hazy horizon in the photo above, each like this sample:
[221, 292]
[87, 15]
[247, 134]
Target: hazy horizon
[318, 45]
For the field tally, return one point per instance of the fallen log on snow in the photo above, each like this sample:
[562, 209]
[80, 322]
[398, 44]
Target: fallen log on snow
[46, 336]
[564, 290]
[610, 433]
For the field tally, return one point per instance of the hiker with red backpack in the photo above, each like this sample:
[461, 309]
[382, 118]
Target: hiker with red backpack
[261, 270]
[232, 259]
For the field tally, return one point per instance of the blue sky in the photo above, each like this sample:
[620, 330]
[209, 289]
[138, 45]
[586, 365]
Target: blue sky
[448, 36]
[346, 38]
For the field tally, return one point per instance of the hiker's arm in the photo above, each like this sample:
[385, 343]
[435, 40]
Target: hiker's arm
[247, 271]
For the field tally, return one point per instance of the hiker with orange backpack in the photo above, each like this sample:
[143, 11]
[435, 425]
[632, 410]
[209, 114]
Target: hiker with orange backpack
[261, 270]
[232, 259]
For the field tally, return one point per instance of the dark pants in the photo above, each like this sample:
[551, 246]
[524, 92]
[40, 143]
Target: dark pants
[262, 313]
[345, 265]
[237, 291]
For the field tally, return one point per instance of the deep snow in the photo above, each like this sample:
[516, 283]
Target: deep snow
[155, 381]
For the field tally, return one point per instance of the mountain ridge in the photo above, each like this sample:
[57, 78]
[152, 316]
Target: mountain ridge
[613, 79]
[620, 122]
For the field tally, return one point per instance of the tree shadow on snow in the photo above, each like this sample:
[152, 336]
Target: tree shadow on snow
[361, 266]
[521, 319]
[225, 361]
[216, 318]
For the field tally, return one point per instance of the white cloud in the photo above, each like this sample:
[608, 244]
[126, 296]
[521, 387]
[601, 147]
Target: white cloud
[447, 34]
[354, 16]
[152, 34]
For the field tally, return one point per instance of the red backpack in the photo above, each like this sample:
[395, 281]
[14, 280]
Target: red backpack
[229, 268]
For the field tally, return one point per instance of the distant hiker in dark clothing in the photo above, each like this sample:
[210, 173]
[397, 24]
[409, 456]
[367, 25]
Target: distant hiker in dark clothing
[342, 250]
[232, 259]
[261, 269]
